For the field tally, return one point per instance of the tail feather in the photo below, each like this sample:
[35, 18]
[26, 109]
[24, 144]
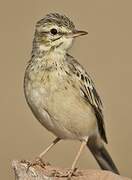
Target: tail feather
[101, 155]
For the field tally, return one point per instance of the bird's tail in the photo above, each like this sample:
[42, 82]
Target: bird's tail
[101, 155]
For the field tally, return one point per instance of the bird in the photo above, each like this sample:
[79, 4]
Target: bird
[60, 92]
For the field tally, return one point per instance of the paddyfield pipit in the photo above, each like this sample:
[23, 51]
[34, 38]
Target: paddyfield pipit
[61, 94]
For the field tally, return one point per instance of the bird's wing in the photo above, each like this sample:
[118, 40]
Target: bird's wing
[89, 92]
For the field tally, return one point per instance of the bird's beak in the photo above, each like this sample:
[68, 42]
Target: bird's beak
[78, 33]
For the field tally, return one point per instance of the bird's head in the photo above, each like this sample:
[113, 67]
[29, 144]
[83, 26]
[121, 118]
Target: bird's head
[56, 31]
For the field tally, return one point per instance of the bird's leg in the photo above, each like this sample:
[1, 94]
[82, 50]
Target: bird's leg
[73, 169]
[49, 147]
[38, 160]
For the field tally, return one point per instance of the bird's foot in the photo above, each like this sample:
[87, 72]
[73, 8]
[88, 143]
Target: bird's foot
[68, 174]
[37, 162]
[73, 172]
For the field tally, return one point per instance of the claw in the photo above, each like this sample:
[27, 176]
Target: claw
[37, 161]
[72, 172]
[67, 174]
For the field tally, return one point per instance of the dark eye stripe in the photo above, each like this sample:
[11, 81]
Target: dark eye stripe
[44, 32]
[47, 32]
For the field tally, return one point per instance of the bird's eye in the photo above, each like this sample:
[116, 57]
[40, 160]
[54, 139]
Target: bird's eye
[53, 31]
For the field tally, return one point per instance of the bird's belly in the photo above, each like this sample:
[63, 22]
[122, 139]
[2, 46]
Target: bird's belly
[72, 113]
[63, 112]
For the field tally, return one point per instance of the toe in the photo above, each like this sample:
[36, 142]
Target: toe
[36, 162]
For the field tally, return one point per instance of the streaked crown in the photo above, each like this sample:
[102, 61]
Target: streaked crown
[56, 19]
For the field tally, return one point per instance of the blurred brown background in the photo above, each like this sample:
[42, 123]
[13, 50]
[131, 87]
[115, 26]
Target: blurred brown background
[105, 52]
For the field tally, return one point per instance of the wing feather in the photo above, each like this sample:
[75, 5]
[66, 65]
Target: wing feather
[90, 94]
